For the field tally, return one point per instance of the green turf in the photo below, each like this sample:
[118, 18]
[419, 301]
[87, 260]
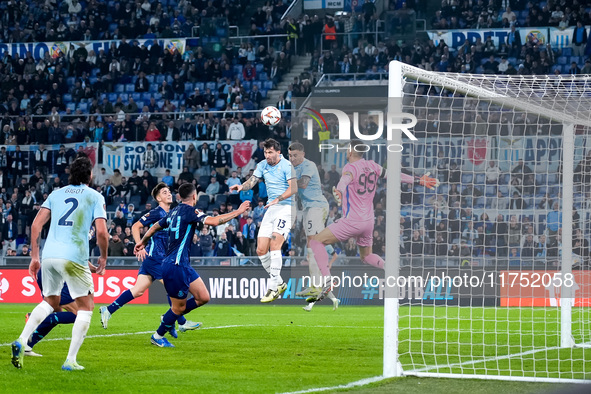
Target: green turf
[259, 349]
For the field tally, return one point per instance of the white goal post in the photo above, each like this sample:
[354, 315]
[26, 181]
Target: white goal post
[534, 129]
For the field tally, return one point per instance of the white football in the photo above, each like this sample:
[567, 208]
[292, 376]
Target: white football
[270, 116]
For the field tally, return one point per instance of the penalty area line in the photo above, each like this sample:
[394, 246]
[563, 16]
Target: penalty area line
[357, 383]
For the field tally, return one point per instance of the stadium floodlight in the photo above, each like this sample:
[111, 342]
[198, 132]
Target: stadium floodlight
[519, 311]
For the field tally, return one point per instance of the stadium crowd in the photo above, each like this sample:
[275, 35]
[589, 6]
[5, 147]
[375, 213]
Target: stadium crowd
[138, 93]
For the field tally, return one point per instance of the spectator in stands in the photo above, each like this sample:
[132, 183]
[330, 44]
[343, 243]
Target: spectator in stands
[222, 247]
[172, 132]
[233, 180]
[149, 157]
[116, 178]
[153, 134]
[9, 231]
[514, 232]
[108, 191]
[206, 242]
[249, 230]
[220, 159]
[168, 179]
[492, 173]
[236, 130]
[517, 202]
[213, 188]
[554, 221]
[191, 157]
[205, 159]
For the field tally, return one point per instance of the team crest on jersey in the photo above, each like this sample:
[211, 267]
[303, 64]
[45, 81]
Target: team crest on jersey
[181, 293]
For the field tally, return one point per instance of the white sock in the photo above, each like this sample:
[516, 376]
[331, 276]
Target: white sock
[331, 296]
[39, 314]
[266, 262]
[275, 269]
[79, 333]
[157, 336]
[315, 274]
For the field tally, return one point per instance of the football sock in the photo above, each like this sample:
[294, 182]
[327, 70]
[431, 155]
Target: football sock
[49, 323]
[331, 296]
[167, 323]
[181, 319]
[79, 333]
[191, 304]
[123, 299]
[266, 262]
[374, 260]
[275, 269]
[315, 274]
[39, 314]
[321, 257]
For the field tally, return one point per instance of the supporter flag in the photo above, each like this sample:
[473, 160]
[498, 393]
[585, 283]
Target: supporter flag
[58, 49]
[174, 46]
[242, 153]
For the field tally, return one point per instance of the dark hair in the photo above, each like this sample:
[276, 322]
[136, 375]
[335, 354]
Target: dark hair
[80, 171]
[297, 146]
[270, 143]
[185, 190]
[354, 144]
[156, 190]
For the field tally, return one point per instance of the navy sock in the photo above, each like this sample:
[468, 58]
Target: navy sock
[191, 304]
[167, 323]
[49, 323]
[181, 318]
[123, 299]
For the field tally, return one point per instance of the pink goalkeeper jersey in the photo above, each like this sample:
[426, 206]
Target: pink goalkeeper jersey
[359, 193]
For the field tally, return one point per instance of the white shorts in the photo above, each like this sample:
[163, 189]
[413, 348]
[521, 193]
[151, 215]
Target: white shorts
[277, 219]
[57, 271]
[315, 220]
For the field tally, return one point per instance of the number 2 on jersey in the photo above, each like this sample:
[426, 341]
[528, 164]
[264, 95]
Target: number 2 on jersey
[63, 220]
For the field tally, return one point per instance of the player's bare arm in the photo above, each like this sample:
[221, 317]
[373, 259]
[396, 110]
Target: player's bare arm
[102, 240]
[221, 219]
[41, 219]
[303, 182]
[135, 232]
[144, 241]
[249, 184]
[291, 190]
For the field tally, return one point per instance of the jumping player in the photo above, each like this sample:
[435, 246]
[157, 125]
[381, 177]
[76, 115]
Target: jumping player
[179, 277]
[358, 185]
[281, 184]
[72, 210]
[315, 213]
[151, 258]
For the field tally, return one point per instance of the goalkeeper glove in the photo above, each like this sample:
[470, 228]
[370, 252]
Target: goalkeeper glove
[337, 195]
[428, 182]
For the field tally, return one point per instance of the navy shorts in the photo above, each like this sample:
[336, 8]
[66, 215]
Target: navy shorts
[151, 267]
[177, 279]
[65, 297]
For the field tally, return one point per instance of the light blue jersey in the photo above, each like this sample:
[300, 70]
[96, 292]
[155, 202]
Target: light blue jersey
[276, 178]
[311, 196]
[73, 210]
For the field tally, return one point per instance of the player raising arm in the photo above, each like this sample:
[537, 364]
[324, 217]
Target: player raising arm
[358, 185]
[72, 210]
[151, 258]
[277, 220]
[179, 277]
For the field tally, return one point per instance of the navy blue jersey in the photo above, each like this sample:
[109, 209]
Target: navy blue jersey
[157, 246]
[181, 223]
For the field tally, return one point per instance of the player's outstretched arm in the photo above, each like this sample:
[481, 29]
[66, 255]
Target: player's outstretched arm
[144, 241]
[135, 232]
[102, 240]
[221, 219]
[249, 184]
[41, 219]
[291, 190]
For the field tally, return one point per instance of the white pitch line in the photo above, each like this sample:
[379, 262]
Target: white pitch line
[137, 333]
[361, 382]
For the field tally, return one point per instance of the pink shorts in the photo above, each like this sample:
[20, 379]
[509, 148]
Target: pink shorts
[344, 228]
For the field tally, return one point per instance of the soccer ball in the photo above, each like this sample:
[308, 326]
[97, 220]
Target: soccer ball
[270, 116]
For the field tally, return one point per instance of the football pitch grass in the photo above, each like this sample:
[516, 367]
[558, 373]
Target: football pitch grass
[258, 349]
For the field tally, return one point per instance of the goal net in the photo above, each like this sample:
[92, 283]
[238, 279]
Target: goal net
[492, 267]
